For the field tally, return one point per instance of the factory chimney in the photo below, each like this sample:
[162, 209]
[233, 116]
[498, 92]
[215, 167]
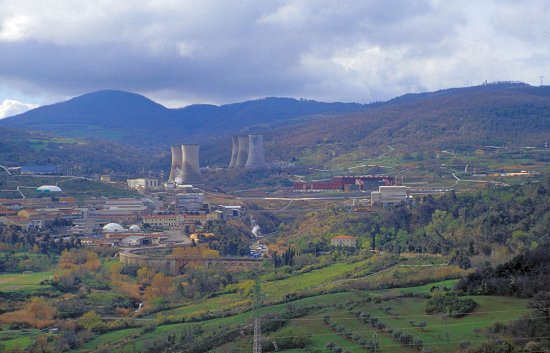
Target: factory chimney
[256, 158]
[242, 152]
[175, 168]
[234, 151]
[191, 171]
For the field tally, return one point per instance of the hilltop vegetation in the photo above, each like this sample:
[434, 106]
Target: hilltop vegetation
[490, 225]
[300, 131]
[131, 118]
[507, 114]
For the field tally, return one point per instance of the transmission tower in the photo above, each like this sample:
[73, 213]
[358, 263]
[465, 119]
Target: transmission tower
[257, 336]
[257, 347]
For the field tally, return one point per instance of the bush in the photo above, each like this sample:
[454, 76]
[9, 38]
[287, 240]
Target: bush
[287, 338]
[129, 270]
[450, 304]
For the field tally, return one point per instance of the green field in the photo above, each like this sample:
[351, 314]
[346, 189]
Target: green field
[399, 307]
[17, 281]
[18, 340]
[340, 306]
[470, 328]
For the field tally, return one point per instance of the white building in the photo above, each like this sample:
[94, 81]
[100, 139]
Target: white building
[143, 184]
[190, 202]
[387, 195]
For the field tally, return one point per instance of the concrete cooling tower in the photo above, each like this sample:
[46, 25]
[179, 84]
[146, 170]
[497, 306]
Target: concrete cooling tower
[256, 158]
[191, 171]
[242, 153]
[175, 168]
[234, 151]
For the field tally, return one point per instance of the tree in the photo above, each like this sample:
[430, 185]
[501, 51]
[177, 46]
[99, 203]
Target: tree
[92, 261]
[41, 309]
[91, 321]
[161, 287]
[41, 345]
[145, 275]
[541, 302]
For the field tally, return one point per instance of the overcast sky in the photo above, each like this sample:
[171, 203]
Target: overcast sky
[182, 52]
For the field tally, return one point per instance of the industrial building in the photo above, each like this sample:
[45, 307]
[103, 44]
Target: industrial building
[143, 184]
[256, 158]
[248, 152]
[234, 151]
[191, 171]
[48, 189]
[242, 151]
[185, 167]
[387, 195]
[161, 220]
[190, 202]
[39, 170]
[345, 183]
[175, 167]
[135, 240]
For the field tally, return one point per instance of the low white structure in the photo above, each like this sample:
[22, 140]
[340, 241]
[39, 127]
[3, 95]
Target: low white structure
[387, 195]
[113, 228]
[143, 184]
[135, 240]
[49, 188]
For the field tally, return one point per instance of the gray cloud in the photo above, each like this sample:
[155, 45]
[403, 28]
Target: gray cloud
[215, 51]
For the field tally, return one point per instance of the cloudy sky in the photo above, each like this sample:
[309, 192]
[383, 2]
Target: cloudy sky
[179, 52]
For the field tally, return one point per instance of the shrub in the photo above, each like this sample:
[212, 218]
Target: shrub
[450, 304]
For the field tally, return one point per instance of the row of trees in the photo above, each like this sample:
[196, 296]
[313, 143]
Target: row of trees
[16, 238]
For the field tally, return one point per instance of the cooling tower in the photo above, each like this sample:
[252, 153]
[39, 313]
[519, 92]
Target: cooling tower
[234, 151]
[190, 168]
[242, 152]
[256, 157]
[176, 163]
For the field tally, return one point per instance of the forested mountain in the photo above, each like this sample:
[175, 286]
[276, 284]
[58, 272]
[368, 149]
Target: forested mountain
[71, 155]
[513, 114]
[132, 118]
[509, 114]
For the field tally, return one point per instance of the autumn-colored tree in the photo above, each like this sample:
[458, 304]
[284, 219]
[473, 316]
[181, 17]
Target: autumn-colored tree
[199, 251]
[41, 344]
[71, 259]
[115, 271]
[122, 283]
[91, 321]
[92, 261]
[161, 288]
[38, 313]
[41, 309]
[145, 275]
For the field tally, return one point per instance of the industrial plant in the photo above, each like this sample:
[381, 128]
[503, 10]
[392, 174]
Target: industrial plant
[248, 152]
[185, 168]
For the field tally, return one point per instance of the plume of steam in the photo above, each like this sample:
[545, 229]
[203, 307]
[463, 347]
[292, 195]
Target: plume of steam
[256, 231]
[255, 228]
